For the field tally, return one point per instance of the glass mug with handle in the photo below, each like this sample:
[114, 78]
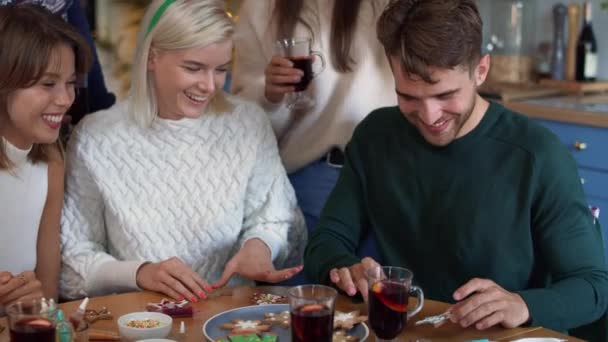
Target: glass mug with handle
[389, 291]
[30, 320]
[312, 312]
[299, 52]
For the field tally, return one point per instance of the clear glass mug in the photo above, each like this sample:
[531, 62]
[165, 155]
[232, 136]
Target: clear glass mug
[30, 321]
[312, 312]
[389, 291]
[299, 51]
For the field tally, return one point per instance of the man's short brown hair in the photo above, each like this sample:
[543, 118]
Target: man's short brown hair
[431, 33]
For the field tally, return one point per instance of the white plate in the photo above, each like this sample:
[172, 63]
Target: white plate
[539, 339]
[212, 331]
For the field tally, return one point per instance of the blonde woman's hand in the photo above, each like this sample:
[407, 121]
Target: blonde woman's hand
[22, 287]
[253, 262]
[173, 278]
[281, 78]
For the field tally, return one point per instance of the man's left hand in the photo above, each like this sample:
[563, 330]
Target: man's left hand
[487, 305]
[253, 261]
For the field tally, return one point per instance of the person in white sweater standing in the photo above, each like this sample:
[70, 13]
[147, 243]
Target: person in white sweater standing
[39, 60]
[179, 189]
[356, 80]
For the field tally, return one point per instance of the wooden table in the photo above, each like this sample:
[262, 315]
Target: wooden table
[232, 298]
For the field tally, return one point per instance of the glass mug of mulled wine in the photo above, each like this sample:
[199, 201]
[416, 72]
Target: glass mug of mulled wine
[30, 321]
[389, 291]
[299, 52]
[311, 309]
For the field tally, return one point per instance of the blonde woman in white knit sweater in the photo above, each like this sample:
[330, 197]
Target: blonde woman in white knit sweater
[179, 189]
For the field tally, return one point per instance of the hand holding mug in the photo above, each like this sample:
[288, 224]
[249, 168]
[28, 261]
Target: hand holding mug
[280, 78]
[299, 52]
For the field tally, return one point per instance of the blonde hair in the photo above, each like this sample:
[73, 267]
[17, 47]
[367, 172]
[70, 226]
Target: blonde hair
[179, 24]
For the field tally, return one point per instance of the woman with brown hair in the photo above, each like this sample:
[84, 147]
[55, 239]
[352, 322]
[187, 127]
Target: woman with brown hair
[356, 80]
[40, 60]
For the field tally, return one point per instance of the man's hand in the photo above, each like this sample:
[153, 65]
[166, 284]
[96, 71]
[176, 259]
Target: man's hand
[281, 78]
[352, 279]
[253, 262]
[487, 305]
[173, 278]
[22, 287]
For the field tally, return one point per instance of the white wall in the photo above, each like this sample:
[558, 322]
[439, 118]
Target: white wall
[543, 30]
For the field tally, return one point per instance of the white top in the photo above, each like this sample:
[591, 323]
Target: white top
[196, 189]
[342, 100]
[23, 192]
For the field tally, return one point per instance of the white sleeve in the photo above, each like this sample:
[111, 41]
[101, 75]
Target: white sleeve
[271, 211]
[87, 268]
[253, 52]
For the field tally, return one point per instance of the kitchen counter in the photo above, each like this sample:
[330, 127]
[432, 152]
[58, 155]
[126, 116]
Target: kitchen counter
[590, 110]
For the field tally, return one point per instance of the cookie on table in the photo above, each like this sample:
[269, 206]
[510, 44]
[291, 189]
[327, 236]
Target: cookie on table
[260, 298]
[264, 337]
[171, 308]
[241, 326]
[92, 315]
[281, 319]
[342, 336]
[347, 320]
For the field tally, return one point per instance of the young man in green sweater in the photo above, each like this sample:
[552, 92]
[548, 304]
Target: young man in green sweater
[482, 204]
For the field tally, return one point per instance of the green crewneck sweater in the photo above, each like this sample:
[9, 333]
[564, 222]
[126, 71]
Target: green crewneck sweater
[503, 202]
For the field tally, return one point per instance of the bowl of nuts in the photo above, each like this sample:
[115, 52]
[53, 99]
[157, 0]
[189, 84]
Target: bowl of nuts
[143, 325]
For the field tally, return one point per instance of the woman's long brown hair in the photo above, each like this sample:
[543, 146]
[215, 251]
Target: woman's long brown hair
[343, 22]
[29, 34]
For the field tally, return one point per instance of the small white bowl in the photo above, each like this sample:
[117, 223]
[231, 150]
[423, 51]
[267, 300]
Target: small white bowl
[131, 333]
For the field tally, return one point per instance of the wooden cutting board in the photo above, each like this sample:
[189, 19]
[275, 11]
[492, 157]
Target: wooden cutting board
[516, 91]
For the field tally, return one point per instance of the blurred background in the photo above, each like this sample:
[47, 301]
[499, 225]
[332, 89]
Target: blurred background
[519, 34]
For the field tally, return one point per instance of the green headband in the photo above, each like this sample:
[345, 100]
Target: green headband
[159, 13]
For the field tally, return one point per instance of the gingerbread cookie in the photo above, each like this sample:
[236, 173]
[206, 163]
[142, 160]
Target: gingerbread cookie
[240, 326]
[264, 337]
[281, 319]
[92, 316]
[346, 320]
[341, 336]
[259, 298]
[171, 308]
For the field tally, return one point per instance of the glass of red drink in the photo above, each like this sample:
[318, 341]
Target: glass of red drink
[30, 321]
[299, 52]
[389, 291]
[312, 313]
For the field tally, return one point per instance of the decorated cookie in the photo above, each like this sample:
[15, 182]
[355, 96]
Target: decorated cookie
[240, 326]
[341, 336]
[260, 298]
[264, 337]
[346, 320]
[92, 316]
[281, 319]
[171, 308]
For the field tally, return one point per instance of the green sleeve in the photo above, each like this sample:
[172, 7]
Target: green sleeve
[334, 241]
[567, 245]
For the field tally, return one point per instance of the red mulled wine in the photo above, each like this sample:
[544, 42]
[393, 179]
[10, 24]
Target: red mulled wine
[312, 322]
[34, 330]
[304, 64]
[388, 308]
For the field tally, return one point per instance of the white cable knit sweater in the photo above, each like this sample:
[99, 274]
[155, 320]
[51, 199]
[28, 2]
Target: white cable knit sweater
[194, 188]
